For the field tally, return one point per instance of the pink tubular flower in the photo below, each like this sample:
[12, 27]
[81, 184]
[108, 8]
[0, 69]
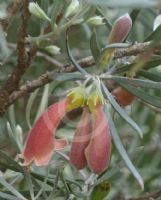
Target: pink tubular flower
[81, 140]
[41, 142]
[98, 151]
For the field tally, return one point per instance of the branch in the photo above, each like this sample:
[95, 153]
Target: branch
[23, 62]
[85, 62]
[150, 196]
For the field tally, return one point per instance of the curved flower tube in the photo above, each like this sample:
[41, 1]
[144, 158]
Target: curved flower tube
[41, 143]
[98, 152]
[81, 140]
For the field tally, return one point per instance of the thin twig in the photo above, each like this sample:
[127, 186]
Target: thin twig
[150, 196]
[156, 110]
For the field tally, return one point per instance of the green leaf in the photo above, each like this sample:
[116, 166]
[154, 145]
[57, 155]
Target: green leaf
[152, 100]
[12, 137]
[94, 45]
[45, 5]
[150, 75]
[134, 14]
[126, 3]
[121, 149]
[57, 8]
[138, 82]
[12, 117]
[66, 76]
[43, 185]
[78, 67]
[154, 35]
[12, 164]
[29, 184]
[100, 191]
[11, 188]
[121, 111]
[8, 196]
[107, 53]
[29, 107]
[44, 102]
[151, 64]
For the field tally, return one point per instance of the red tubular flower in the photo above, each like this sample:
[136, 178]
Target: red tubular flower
[81, 140]
[98, 151]
[41, 142]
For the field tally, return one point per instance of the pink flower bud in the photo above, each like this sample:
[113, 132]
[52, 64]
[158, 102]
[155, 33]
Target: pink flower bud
[41, 142]
[81, 140]
[98, 151]
[120, 29]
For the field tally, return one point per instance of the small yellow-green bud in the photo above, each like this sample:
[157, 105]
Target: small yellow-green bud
[76, 98]
[72, 8]
[35, 9]
[94, 99]
[52, 49]
[96, 20]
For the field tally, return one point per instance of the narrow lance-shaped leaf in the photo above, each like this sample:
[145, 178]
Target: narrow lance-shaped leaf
[134, 14]
[10, 161]
[11, 188]
[137, 82]
[44, 102]
[95, 48]
[121, 149]
[7, 196]
[125, 3]
[150, 75]
[29, 107]
[121, 111]
[148, 65]
[153, 100]
[57, 7]
[78, 67]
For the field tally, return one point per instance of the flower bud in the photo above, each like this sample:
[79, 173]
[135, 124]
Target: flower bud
[119, 32]
[120, 29]
[76, 98]
[96, 20]
[122, 96]
[35, 9]
[81, 140]
[94, 99]
[52, 49]
[98, 152]
[72, 8]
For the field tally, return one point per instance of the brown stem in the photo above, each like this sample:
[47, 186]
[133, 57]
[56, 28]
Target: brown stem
[12, 83]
